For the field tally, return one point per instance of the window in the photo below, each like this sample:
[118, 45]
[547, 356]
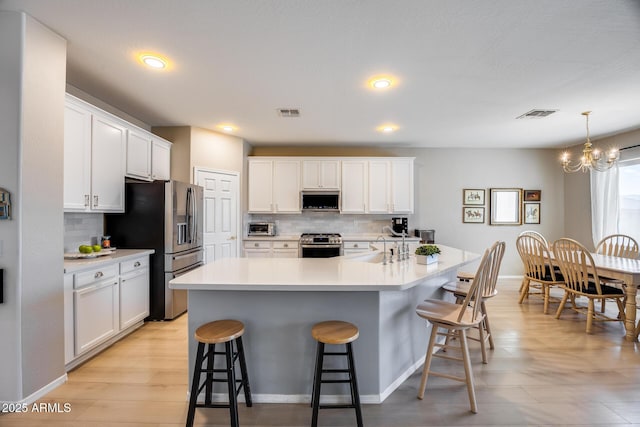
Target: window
[629, 222]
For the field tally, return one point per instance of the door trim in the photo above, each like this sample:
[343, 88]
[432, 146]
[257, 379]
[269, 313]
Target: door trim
[236, 174]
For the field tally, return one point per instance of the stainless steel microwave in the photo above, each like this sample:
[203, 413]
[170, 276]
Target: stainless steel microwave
[321, 201]
[261, 229]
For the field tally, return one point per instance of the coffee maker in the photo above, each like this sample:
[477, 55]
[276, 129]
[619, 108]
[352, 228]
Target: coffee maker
[400, 226]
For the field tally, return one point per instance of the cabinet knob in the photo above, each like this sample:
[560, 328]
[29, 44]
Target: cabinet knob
[98, 275]
[286, 245]
[137, 264]
[86, 200]
[95, 201]
[355, 246]
[256, 244]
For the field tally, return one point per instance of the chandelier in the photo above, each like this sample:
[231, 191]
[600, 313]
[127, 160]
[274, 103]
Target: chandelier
[591, 159]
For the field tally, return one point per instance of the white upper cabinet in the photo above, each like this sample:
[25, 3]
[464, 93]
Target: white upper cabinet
[354, 186]
[107, 164]
[138, 155]
[77, 158]
[148, 156]
[379, 187]
[160, 159]
[260, 186]
[371, 185]
[286, 186]
[94, 159]
[402, 197]
[321, 174]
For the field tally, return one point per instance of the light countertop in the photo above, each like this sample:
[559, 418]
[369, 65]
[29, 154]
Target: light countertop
[364, 237]
[345, 273]
[75, 265]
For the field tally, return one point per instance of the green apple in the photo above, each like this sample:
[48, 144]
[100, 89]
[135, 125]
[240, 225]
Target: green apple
[85, 249]
[96, 248]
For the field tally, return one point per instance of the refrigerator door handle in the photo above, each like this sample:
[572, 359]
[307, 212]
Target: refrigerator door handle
[195, 217]
[188, 214]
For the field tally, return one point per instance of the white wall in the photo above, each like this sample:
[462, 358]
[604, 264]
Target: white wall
[32, 73]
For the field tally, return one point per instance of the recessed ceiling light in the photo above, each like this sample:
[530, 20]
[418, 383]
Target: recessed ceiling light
[227, 127]
[154, 61]
[388, 128]
[381, 82]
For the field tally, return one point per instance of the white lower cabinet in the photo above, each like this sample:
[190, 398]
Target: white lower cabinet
[355, 247]
[267, 249]
[134, 291]
[102, 305]
[95, 300]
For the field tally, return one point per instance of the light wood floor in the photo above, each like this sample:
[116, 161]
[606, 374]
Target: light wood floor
[542, 372]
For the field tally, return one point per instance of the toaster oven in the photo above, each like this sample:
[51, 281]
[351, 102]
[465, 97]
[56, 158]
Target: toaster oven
[261, 229]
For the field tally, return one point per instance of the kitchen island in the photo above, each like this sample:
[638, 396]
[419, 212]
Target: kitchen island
[280, 299]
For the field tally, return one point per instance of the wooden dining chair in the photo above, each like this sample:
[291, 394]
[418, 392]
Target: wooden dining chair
[460, 289]
[543, 239]
[619, 245]
[538, 269]
[581, 279]
[459, 318]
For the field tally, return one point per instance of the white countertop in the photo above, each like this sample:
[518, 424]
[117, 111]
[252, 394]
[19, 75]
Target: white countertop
[272, 238]
[75, 265]
[345, 273]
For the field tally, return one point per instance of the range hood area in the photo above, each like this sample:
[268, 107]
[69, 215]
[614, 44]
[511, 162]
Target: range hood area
[320, 201]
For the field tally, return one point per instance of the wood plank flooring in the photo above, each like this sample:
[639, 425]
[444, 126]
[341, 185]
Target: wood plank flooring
[542, 372]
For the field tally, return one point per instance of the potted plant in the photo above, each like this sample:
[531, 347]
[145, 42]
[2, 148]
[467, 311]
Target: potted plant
[427, 254]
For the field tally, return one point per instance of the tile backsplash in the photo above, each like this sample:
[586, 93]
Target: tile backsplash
[82, 229]
[325, 222]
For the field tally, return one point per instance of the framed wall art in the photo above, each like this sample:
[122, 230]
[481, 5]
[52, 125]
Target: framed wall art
[505, 206]
[474, 215]
[473, 196]
[532, 213]
[532, 195]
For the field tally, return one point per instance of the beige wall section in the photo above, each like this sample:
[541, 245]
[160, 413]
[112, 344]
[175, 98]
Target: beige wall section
[180, 136]
[215, 150]
[578, 192]
[198, 147]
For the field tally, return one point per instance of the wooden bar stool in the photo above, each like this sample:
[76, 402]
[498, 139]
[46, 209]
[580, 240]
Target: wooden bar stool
[212, 333]
[335, 332]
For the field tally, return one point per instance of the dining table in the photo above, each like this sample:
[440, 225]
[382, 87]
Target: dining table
[628, 271]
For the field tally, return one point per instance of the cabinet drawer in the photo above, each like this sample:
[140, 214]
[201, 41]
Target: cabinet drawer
[286, 245]
[134, 264]
[356, 245]
[257, 245]
[96, 275]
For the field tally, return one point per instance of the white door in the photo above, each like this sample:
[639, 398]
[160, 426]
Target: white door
[220, 234]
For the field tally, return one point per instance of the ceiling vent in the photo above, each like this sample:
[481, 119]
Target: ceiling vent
[536, 114]
[289, 112]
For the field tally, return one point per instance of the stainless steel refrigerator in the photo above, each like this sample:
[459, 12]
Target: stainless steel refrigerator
[165, 216]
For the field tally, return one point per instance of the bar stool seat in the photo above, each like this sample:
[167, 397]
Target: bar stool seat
[335, 332]
[208, 335]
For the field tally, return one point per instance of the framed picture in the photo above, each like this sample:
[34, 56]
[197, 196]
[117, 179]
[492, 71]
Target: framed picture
[505, 205]
[473, 215]
[473, 196]
[532, 195]
[532, 213]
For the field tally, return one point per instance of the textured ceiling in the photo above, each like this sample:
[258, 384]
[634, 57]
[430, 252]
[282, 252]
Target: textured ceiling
[465, 69]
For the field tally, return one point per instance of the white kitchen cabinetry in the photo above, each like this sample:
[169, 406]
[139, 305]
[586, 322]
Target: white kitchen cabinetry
[379, 187]
[354, 186]
[138, 155]
[69, 350]
[95, 307]
[268, 249]
[274, 186]
[402, 197]
[134, 291]
[94, 159]
[320, 174]
[355, 247]
[160, 159]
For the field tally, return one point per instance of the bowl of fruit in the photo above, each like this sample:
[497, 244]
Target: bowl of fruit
[89, 251]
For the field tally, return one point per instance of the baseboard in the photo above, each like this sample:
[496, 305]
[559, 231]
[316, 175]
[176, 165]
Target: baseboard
[291, 398]
[39, 393]
[402, 378]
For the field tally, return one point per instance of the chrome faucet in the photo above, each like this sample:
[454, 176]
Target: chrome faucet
[403, 253]
[384, 250]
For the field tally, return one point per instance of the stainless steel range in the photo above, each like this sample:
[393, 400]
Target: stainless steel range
[320, 245]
